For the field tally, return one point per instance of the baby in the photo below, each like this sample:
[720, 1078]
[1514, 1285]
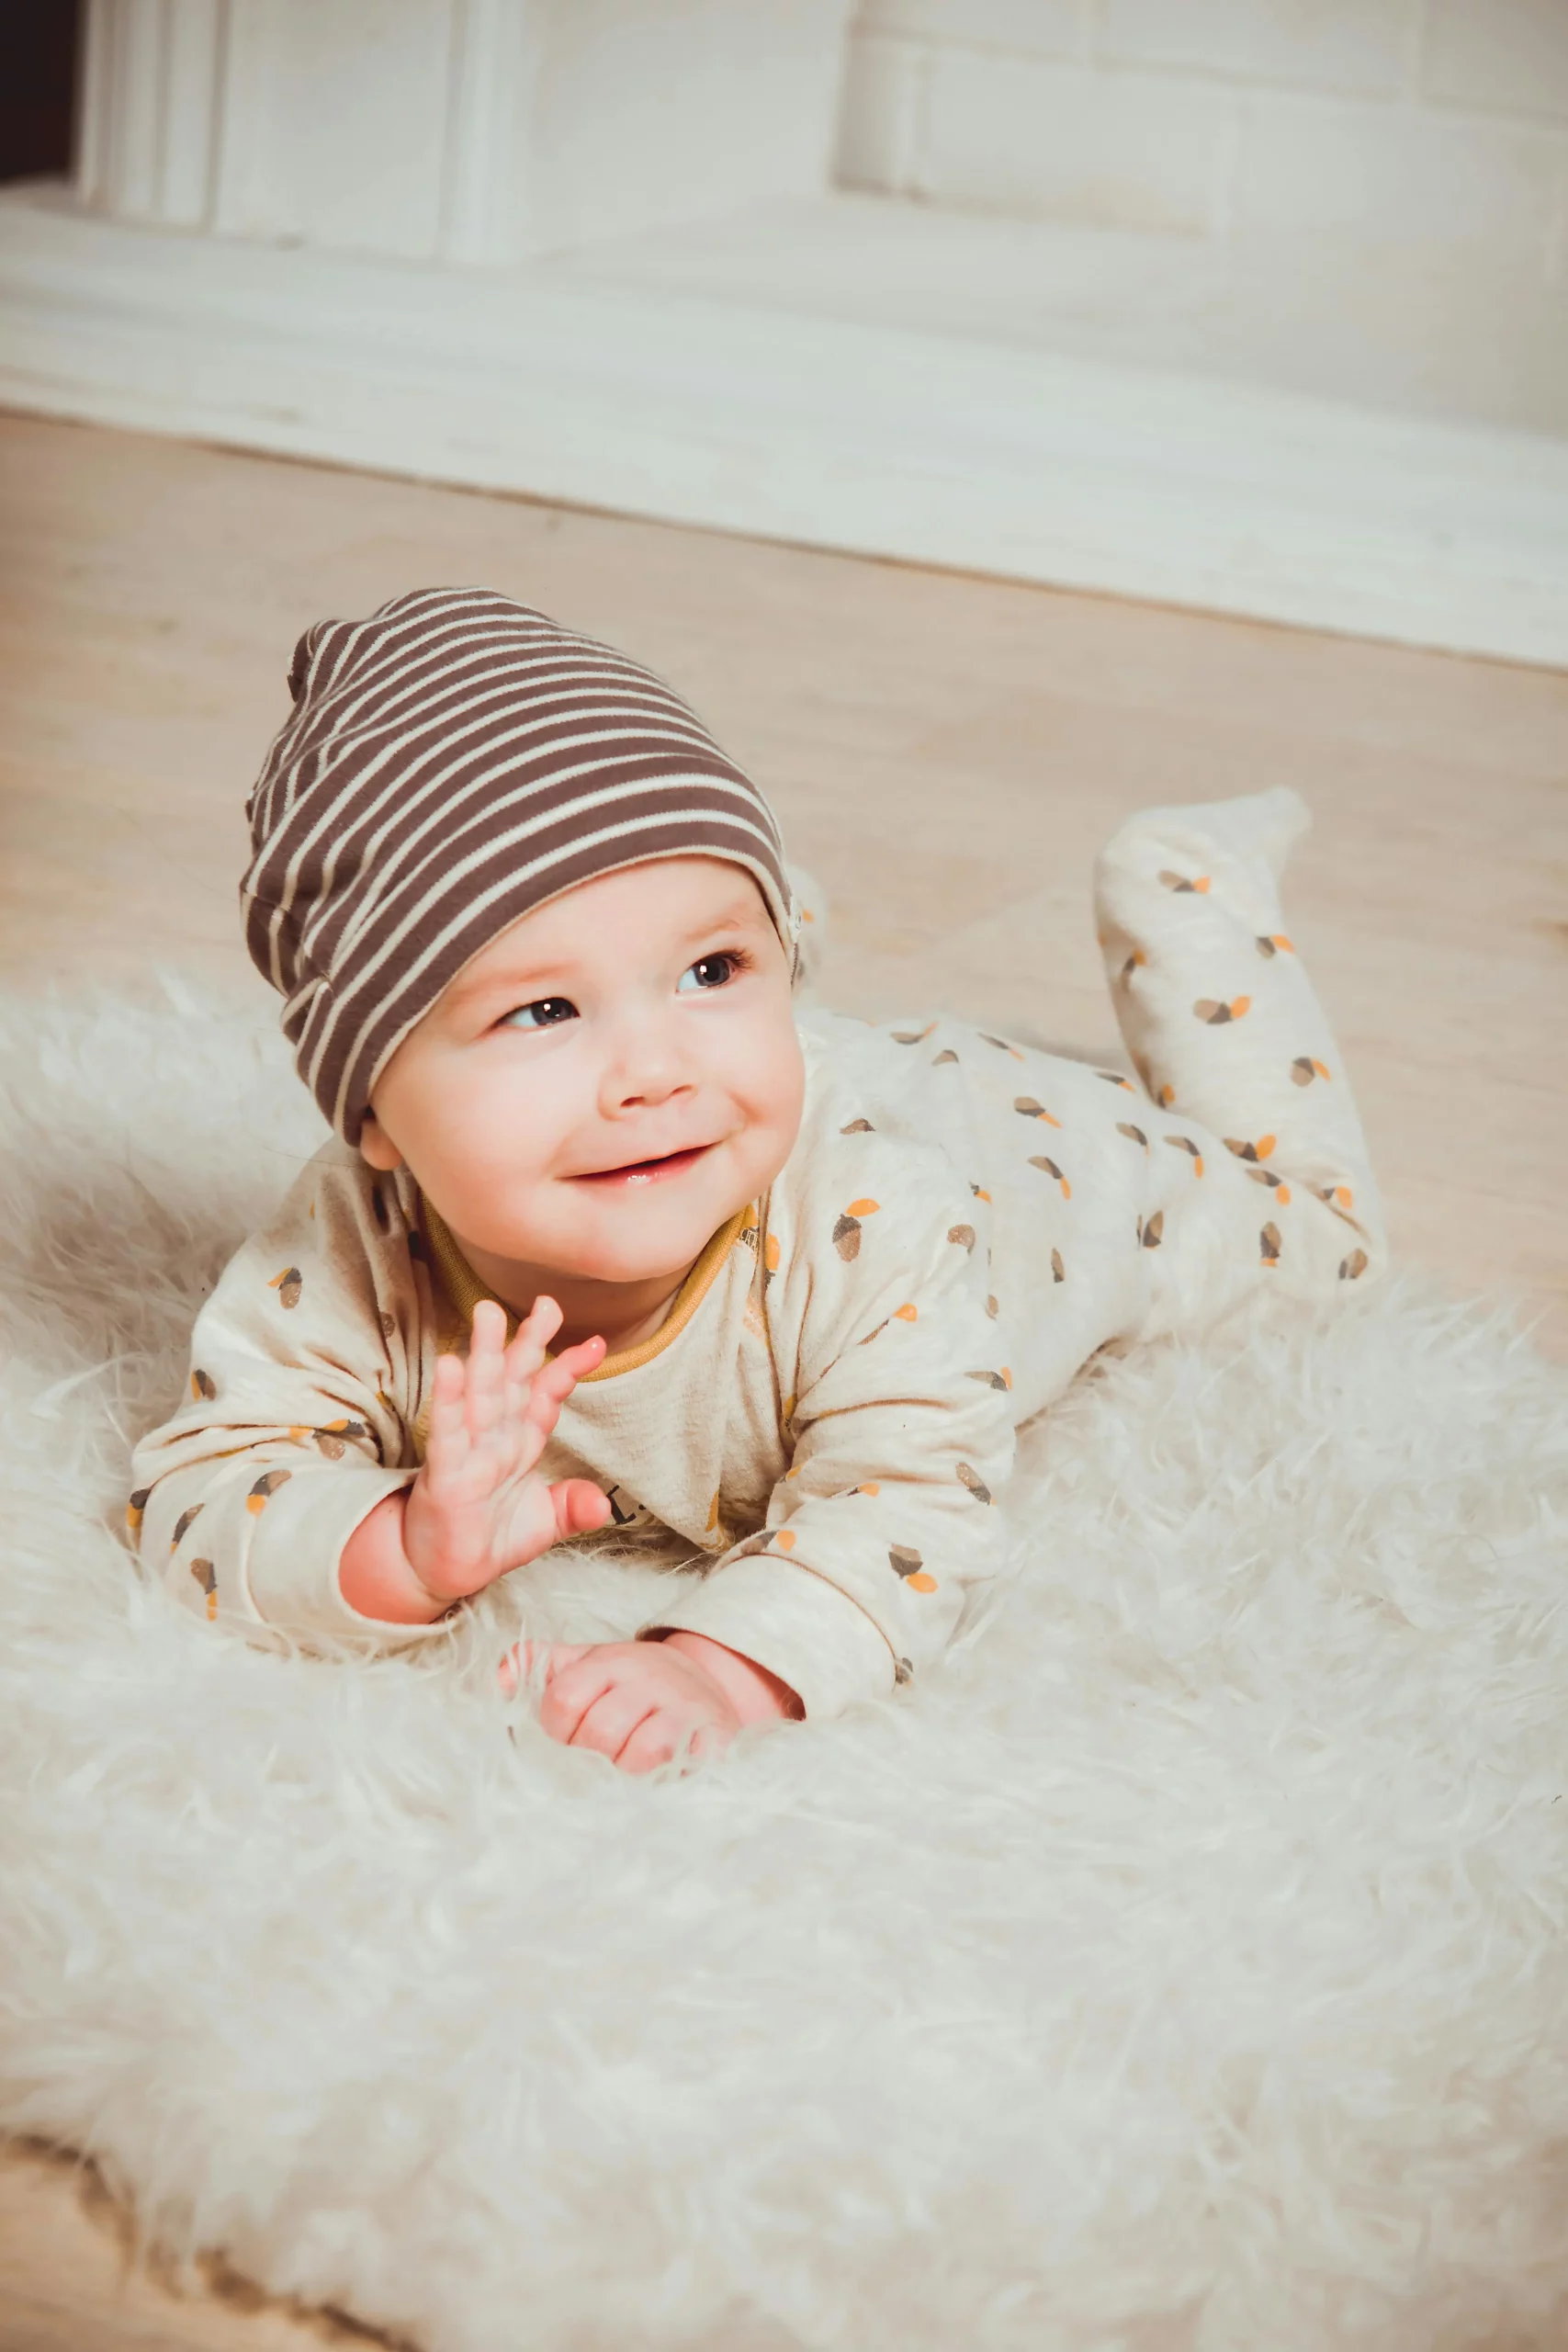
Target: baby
[802, 1277]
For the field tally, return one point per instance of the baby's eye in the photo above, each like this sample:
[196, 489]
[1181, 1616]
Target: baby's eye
[709, 972]
[543, 1013]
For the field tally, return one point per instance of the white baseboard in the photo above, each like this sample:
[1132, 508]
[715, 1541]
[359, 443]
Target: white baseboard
[958, 449]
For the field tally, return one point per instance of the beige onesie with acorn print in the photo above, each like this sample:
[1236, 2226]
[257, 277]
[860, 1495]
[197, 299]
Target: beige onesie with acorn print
[826, 1419]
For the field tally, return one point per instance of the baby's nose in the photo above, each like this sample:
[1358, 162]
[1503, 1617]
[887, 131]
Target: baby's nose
[649, 1070]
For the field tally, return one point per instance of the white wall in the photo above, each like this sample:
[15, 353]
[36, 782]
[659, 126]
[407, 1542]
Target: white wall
[465, 130]
[1258, 305]
[1385, 121]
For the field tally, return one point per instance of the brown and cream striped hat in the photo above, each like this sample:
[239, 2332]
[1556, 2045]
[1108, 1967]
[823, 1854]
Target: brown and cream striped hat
[450, 763]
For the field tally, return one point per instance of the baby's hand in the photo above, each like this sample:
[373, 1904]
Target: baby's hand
[642, 1703]
[477, 1507]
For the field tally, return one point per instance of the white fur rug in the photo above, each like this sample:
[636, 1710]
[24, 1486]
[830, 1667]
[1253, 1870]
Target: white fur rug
[1185, 1967]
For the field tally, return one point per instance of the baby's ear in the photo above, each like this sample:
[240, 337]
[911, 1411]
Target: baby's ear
[377, 1146]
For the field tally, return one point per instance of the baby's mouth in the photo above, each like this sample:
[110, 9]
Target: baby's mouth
[635, 1173]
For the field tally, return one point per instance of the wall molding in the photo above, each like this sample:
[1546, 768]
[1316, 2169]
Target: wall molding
[939, 448]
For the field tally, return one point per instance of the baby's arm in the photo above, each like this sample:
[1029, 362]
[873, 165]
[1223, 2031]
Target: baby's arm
[903, 1440]
[303, 1381]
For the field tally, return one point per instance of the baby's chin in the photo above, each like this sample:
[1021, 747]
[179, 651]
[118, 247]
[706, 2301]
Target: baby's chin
[626, 1237]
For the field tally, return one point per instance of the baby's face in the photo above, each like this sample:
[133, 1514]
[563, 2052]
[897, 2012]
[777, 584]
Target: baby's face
[607, 1083]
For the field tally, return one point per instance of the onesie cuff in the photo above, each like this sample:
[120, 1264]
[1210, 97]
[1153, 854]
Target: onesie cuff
[292, 1571]
[795, 1625]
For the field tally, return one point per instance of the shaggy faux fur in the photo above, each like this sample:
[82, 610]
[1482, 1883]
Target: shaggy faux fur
[1183, 1967]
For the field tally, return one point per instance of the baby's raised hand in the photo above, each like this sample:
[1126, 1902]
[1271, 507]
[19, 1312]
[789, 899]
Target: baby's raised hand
[478, 1506]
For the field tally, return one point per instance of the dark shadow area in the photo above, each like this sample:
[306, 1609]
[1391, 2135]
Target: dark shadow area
[39, 44]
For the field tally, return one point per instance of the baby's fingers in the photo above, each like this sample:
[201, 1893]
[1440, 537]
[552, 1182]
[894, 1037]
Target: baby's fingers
[553, 1381]
[659, 1738]
[518, 1663]
[535, 1404]
[580, 1507]
[446, 1447]
[484, 1377]
[532, 1339]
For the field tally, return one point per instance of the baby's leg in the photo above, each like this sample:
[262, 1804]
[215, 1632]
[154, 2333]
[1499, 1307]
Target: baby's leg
[1227, 1033]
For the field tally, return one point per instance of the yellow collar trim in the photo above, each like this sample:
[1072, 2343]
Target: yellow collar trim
[461, 1289]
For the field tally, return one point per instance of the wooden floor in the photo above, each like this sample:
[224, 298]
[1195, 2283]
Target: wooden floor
[944, 754]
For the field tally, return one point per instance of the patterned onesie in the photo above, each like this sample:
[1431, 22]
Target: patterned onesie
[825, 1418]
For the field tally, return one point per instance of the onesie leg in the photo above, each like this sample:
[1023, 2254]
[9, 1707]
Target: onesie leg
[1227, 1033]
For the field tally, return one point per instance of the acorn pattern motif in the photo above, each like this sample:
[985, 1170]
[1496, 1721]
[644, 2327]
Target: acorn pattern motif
[266, 1486]
[849, 1227]
[1049, 1167]
[288, 1285]
[332, 1438]
[765, 1245]
[909, 1565]
[1276, 1184]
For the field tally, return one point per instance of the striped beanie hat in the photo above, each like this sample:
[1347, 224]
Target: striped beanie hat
[450, 763]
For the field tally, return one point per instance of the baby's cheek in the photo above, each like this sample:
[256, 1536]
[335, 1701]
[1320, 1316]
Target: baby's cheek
[771, 1087]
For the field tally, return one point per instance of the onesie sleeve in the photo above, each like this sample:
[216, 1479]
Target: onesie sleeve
[298, 1400]
[902, 1433]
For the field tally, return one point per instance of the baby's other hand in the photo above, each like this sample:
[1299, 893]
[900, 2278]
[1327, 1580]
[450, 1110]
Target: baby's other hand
[640, 1703]
[478, 1506]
